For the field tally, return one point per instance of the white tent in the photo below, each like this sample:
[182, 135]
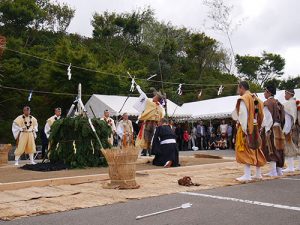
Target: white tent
[114, 104]
[222, 107]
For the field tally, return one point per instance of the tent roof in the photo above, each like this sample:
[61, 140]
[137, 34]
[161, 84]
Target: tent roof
[222, 107]
[114, 104]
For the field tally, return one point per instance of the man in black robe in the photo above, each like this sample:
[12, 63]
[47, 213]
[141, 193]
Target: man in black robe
[164, 146]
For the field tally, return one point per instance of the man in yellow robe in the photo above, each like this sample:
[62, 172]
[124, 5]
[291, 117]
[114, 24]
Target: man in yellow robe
[152, 112]
[249, 114]
[24, 129]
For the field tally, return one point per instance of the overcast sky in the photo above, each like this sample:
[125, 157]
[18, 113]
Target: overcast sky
[270, 25]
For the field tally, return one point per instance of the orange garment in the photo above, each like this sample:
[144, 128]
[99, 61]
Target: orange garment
[244, 154]
[249, 98]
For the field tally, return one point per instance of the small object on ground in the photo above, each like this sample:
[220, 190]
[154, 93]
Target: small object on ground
[183, 206]
[195, 148]
[45, 167]
[187, 181]
[168, 164]
[142, 173]
[200, 155]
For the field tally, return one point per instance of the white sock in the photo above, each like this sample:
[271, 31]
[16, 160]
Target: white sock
[258, 172]
[279, 171]
[291, 164]
[298, 168]
[247, 170]
[31, 158]
[273, 168]
[17, 157]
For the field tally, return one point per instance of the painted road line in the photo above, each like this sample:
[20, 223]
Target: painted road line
[243, 201]
[287, 178]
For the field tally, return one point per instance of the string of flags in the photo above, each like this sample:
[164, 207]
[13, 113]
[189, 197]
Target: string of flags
[112, 74]
[133, 78]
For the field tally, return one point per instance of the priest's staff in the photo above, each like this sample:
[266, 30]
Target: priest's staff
[96, 135]
[124, 104]
[93, 111]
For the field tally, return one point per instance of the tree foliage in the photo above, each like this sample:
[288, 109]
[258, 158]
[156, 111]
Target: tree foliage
[135, 41]
[260, 69]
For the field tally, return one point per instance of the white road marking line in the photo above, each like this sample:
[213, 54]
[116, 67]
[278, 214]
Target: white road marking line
[243, 201]
[287, 178]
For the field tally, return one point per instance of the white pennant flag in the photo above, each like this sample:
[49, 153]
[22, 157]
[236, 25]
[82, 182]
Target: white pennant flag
[30, 95]
[220, 90]
[200, 94]
[69, 72]
[179, 91]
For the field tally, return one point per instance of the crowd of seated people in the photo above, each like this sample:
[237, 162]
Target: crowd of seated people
[201, 136]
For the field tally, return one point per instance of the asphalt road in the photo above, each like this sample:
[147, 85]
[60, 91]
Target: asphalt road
[273, 202]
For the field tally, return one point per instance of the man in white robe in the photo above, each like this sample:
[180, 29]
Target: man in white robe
[24, 129]
[112, 125]
[291, 150]
[125, 131]
[51, 120]
[48, 125]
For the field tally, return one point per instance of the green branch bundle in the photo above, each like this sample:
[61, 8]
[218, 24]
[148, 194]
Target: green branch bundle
[73, 142]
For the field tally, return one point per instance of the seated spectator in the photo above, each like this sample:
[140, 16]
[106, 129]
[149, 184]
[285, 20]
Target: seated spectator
[222, 143]
[212, 143]
[186, 139]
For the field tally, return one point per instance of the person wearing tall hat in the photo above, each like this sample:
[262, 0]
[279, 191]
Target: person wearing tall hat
[24, 129]
[50, 121]
[249, 116]
[151, 112]
[273, 140]
[290, 150]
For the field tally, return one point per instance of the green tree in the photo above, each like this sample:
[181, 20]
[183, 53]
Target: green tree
[260, 69]
[248, 66]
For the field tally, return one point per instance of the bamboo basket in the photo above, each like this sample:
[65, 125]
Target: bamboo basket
[122, 167]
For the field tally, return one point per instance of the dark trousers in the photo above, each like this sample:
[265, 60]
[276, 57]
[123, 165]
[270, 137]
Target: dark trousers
[201, 142]
[44, 148]
[185, 146]
[179, 144]
[229, 140]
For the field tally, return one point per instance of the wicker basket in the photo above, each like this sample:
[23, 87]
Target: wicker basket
[122, 167]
